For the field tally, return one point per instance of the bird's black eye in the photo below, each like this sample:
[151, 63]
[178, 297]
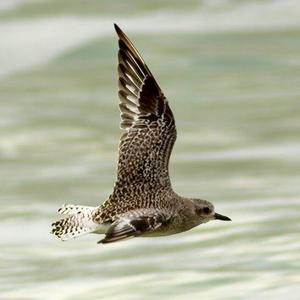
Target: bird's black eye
[206, 210]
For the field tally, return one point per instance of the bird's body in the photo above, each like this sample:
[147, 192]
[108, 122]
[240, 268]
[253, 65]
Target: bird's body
[143, 202]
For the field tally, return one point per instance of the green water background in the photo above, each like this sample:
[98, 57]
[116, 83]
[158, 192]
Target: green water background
[231, 72]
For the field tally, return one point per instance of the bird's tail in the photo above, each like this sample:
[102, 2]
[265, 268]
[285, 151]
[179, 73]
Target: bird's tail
[79, 221]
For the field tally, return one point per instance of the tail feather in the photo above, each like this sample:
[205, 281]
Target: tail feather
[79, 222]
[69, 209]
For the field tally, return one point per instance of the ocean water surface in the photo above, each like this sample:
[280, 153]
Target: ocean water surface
[231, 72]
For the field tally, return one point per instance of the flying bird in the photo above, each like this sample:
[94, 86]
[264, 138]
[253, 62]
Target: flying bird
[143, 202]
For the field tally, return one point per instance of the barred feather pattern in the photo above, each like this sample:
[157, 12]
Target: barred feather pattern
[146, 145]
[143, 202]
[79, 222]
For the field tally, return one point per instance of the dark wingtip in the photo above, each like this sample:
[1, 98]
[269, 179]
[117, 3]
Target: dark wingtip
[103, 241]
[117, 29]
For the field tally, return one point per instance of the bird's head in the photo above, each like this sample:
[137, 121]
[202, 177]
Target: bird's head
[205, 211]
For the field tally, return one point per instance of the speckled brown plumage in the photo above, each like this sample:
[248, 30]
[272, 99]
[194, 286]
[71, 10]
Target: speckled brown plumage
[143, 202]
[146, 145]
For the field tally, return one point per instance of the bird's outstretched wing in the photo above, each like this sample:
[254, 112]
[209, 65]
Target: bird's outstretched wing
[147, 119]
[135, 223]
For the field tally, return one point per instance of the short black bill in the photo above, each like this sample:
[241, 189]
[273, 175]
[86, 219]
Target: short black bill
[221, 217]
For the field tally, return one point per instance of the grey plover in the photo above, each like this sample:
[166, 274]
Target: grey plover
[143, 202]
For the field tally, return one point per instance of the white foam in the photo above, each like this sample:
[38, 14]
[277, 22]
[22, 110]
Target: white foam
[6, 5]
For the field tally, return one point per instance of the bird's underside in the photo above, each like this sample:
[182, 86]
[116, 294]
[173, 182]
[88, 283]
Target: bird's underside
[138, 222]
